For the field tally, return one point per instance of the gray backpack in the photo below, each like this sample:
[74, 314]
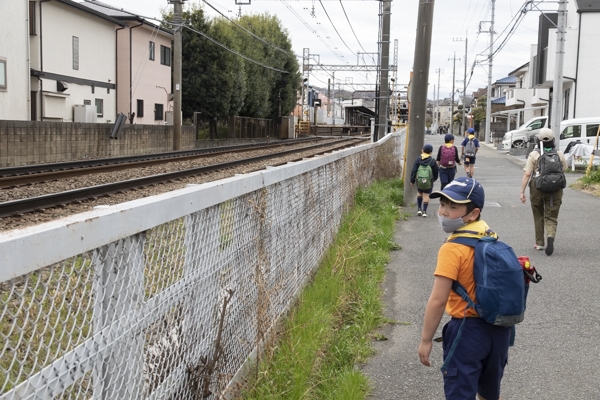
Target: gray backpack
[470, 148]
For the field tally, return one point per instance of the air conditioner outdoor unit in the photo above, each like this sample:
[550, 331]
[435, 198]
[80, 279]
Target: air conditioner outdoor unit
[84, 113]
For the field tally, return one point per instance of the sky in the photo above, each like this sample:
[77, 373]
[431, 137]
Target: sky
[345, 32]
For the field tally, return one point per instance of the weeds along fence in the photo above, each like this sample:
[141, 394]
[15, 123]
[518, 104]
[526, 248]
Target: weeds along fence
[167, 297]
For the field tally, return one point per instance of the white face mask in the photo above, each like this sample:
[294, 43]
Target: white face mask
[450, 225]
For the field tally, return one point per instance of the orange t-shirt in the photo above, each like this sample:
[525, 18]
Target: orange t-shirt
[455, 261]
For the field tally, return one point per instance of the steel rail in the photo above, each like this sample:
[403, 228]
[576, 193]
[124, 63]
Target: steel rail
[86, 169]
[19, 207]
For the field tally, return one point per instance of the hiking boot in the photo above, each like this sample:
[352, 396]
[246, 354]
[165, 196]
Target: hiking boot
[424, 214]
[538, 247]
[550, 246]
[419, 213]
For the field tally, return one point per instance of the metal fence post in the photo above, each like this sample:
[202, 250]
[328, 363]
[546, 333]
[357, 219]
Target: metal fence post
[118, 288]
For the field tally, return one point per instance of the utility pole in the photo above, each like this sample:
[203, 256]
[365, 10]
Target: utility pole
[437, 106]
[488, 108]
[557, 85]
[463, 123]
[384, 57]
[418, 93]
[453, 77]
[177, 9]
[328, 97]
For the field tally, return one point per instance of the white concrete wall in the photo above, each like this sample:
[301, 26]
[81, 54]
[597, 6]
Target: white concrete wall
[14, 40]
[97, 59]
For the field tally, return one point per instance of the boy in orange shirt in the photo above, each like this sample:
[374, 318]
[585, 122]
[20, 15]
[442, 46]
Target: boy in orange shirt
[477, 366]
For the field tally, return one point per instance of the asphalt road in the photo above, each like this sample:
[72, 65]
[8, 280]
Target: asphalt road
[557, 349]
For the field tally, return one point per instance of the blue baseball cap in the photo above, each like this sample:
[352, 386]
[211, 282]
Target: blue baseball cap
[470, 130]
[427, 148]
[462, 190]
[448, 138]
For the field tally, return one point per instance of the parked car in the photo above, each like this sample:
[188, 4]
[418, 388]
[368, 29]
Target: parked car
[519, 137]
[583, 130]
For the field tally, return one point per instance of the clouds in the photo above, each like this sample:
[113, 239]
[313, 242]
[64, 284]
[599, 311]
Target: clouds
[346, 33]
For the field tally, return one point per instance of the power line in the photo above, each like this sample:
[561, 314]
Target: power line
[354, 33]
[234, 52]
[248, 32]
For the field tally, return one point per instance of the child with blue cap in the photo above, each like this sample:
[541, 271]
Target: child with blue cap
[424, 173]
[470, 147]
[477, 365]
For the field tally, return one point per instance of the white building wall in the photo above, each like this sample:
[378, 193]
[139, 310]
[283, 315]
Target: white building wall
[588, 83]
[97, 60]
[151, 80]
[14, 40]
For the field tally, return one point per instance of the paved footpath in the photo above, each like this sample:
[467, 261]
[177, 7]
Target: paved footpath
[557, 349]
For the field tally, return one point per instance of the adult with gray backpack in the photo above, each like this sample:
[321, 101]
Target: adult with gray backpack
[424, 173]
[544, 174]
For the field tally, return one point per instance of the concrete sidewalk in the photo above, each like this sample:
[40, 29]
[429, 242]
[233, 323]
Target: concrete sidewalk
[557, 353]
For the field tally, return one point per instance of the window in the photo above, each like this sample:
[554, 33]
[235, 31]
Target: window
[151, 51]
[75, 52]
[32, 21]
[566, 104]
[537, 124]
[572, 131]
[3, 73]
[140, 108]
[100, 107]
[158, 112]
[87, 102]
[591, 130]
[165, 55]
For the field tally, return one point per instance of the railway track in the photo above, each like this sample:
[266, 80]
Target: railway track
[25, 175]
[16, 208]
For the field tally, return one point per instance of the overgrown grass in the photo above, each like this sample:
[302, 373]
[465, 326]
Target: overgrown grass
[329, 331]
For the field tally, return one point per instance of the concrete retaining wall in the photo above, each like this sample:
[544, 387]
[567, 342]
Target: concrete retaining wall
[33, 142]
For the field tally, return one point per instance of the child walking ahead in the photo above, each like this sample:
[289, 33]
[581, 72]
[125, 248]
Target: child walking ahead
[477, 366]
[447, 159]
[424, 173]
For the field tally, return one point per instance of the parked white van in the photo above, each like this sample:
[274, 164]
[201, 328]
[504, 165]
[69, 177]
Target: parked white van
[520, 137]
[583, 130]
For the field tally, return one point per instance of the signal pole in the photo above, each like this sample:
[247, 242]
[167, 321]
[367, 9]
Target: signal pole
[177, 8]
[418, 93]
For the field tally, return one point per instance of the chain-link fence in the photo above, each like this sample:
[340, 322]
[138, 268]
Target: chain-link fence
[236, 127]
[167, 297]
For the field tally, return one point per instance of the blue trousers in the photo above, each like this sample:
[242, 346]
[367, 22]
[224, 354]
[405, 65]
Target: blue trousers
[446, 176]
[478, 362]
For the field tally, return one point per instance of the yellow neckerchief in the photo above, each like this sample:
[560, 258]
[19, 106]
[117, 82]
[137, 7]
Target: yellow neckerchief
[471, 136]
[475, 229]
[448, 145]
[425, 155]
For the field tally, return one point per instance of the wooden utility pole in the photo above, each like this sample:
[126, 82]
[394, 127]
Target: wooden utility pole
[418, 93]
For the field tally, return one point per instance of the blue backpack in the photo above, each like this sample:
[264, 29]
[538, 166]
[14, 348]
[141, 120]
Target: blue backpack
[500, 286]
